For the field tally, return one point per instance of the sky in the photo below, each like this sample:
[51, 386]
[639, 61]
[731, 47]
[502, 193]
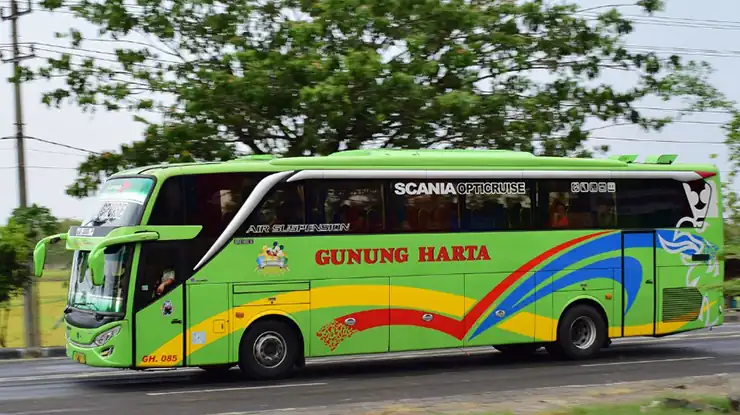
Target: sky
[701, 33]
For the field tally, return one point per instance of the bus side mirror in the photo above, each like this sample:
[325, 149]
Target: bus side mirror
[39, 252]
[96, 259]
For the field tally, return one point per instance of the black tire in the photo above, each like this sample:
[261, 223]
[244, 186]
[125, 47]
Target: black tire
[277, 344]
[581, 334]
[518, 350]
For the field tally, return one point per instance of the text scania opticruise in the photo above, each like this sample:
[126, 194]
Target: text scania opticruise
[462, 188]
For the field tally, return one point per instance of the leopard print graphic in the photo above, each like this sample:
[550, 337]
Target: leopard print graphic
[334, 333]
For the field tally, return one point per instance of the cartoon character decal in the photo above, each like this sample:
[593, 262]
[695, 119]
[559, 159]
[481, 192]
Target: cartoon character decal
[703, 203]
[272, 259]
[167, 308]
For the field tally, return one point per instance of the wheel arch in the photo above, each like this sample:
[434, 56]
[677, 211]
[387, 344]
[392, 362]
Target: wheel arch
[589, 301]
[283, 317]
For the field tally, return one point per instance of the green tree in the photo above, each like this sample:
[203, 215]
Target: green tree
[13, 261]
[312, 77]
[25, 228]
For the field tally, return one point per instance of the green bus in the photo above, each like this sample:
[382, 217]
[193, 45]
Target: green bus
[262, 262]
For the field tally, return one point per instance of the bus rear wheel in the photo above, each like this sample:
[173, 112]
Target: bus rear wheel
[581, 334]
[268, 350]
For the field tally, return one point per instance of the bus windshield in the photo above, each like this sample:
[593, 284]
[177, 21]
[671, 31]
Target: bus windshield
[120, 203]
[108, 297]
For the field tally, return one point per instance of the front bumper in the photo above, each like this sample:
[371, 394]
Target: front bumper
[115, 352]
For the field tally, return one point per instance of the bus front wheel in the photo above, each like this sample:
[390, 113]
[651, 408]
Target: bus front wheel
[268, 350]
[581, 334]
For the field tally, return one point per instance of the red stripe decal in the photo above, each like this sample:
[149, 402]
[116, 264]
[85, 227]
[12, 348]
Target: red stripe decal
[335, 332]
[493, 295]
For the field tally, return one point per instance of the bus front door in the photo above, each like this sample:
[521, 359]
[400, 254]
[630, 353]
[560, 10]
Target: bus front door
[159, 307]
[638, 283]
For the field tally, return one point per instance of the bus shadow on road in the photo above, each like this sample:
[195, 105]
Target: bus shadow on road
[384, 367]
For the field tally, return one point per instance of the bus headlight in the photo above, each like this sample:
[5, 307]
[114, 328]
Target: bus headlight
[105, 336]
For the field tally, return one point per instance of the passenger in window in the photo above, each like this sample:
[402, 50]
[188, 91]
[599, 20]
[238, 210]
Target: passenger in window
[605, 215]
[559, 215]
[374, 221]
[350, 214]
[424, 220]
[515, 215]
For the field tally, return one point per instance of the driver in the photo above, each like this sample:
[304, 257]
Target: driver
[167, 279]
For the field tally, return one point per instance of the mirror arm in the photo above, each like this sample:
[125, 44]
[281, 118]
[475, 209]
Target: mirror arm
[39, 252]
[96, 258]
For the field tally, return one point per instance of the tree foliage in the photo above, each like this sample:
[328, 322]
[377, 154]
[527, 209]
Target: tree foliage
[13, 268]
[312, 77]
[25, 227]
[732, 200]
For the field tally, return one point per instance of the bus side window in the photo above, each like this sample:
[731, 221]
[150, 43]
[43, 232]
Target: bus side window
[169, 208]
[357, 204]
[586, 209]
[420, 212]
[161, 269]
[284, 205]
[656, 203]
[485, 212]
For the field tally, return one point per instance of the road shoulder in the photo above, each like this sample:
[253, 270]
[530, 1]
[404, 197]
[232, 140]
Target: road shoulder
[533, 401]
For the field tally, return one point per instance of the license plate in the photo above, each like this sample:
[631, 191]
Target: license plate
[79, 357]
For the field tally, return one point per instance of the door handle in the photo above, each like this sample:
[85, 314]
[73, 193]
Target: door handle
[176, 321]
[700, 257]
[648, 281]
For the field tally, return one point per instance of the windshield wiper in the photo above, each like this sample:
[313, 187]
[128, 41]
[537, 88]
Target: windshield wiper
[92, 307]
[82, 303]
[97, 221]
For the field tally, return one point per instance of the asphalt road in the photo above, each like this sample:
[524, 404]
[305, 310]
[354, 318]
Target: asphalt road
[56, 386]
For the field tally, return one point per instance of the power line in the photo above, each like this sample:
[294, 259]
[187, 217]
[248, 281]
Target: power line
[54, 143]
[639, 140]
[39, 167]
[37, 150]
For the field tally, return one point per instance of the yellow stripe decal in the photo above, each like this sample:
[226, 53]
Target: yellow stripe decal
[545, 328]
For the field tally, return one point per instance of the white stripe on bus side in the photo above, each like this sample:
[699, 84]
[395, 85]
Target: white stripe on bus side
[683, 176]
[259, 192]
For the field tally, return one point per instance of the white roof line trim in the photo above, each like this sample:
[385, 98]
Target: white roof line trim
[254, 199]
[683, 176]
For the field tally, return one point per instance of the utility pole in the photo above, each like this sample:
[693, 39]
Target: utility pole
[30, 303]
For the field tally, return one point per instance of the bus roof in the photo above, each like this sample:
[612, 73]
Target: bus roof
[425, 159]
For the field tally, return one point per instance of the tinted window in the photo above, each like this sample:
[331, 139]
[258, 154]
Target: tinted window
[283, 210]
[654, 203]
[431, 206]
[209, 200]
[507, 207]
[341, 203]
[579, 204]
[162, 267]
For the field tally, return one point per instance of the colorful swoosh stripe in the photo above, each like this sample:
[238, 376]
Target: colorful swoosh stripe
[335, 332]
[583, 249]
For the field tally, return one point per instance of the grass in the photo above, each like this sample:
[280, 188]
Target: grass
[52, 289]
[704, 405]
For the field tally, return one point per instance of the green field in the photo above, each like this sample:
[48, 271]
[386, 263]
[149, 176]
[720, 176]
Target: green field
[52, 290]
[707, 405]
